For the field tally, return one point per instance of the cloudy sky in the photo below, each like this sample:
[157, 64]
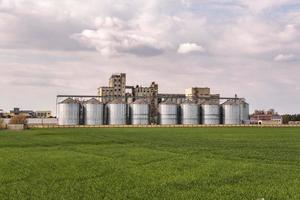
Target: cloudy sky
[245, 47]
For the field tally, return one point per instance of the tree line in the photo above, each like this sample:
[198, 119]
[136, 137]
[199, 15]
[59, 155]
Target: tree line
[287, 118]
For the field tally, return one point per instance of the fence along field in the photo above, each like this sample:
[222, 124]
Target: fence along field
[147, 163]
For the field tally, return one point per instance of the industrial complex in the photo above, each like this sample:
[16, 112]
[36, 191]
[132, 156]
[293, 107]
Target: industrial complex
[120, 104]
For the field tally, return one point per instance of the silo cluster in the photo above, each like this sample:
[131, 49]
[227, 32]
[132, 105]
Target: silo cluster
[118, 112]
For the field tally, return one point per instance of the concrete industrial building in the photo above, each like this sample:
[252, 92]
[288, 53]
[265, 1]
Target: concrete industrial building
[116, 88]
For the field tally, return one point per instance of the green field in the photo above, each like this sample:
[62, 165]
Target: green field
[145, 163]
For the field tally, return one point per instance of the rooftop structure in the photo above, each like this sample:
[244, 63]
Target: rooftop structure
[198, 92]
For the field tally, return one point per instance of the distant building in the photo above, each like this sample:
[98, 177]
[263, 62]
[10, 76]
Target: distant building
[43, 114]
[265, 117]
[18, 111]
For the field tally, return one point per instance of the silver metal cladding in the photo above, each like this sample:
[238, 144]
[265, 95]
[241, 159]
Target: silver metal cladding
[93, 114]
[210, 114]
[168, 113]
[231, 112]
[68, 112]
[117, 114]
[140, 113]
[190, 113]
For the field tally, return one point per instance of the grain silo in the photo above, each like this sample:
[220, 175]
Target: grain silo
[231, 112]
[140, 112]
[168, 113]
[244, 112]
[93, 112]
[68, 112]
[117, 114]
[210, 113]
[190, 112]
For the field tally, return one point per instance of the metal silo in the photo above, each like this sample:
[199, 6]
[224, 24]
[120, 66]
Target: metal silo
[140, 112]
[117, 112]
[168, 113]
[231, 112]
[244, 112]
[190, 113]
[68, 112]
[93, 110]
[210, 113]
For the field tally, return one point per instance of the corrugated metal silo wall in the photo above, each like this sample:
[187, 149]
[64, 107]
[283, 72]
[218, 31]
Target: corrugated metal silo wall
[168, 114]
[140, 114]
[93, 114]
[231, 114]
[68, 114]
[210, 114]
[190, 114]
[117, 114]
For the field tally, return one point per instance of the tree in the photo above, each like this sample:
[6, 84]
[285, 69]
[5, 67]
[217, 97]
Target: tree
[2, 125]
[18, 119]
[287, 118]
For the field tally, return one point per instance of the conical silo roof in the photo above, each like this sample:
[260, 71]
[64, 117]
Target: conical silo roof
[168, 101]
[189, 101]
[209, 102]
[93, 101]
[231, 102]
[68, 101]
[117, 101]
[140, 101]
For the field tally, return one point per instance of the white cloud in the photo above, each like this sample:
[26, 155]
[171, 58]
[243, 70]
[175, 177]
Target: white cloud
[289, 33]
[189, 48]
[115, 37]
[284, 57]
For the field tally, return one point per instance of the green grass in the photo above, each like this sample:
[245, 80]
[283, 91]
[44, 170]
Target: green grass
[145, 163]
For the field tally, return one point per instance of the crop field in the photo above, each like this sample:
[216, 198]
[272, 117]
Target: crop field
[150, 163]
